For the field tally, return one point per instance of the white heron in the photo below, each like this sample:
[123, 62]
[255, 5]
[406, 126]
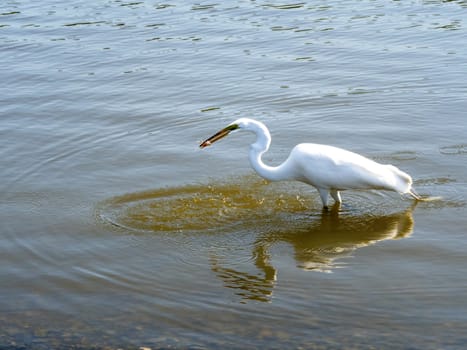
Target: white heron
[329, 169]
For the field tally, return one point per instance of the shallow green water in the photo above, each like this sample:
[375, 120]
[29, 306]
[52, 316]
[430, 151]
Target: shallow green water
[117, 231]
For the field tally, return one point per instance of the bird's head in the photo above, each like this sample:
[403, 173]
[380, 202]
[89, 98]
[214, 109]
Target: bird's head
[241, 123]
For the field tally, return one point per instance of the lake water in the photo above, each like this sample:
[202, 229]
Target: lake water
[117, 231]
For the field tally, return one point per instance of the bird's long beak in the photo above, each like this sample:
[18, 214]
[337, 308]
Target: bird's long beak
[218, 135]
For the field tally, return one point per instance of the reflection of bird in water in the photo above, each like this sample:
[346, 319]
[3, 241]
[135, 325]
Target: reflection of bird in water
[334, 237]
[316, 247]
[329, 169]
[248, 285]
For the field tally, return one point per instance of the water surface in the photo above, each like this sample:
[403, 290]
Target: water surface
[117, 231]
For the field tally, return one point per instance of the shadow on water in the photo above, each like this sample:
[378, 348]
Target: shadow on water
[263, 215]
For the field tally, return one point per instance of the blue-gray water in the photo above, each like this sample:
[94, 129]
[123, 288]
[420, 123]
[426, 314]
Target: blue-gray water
[117, 231]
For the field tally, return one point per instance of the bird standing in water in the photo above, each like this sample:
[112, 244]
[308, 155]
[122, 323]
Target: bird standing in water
[329, 169]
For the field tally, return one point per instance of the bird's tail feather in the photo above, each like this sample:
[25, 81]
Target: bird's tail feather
[401, 181]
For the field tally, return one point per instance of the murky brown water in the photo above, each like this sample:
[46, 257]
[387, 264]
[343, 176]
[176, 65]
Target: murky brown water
[117, 231]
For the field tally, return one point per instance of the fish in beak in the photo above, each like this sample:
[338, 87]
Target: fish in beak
[218, 135]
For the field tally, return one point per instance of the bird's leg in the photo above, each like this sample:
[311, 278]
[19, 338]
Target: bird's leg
[336, 196]
[415, 195]
[323, 193]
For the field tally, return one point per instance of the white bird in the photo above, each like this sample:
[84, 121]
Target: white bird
[329, 169]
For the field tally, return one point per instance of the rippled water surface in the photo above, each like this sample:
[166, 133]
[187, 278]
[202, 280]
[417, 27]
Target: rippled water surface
[117, 231]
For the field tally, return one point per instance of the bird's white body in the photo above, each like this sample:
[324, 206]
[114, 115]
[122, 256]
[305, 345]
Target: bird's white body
[329, 169]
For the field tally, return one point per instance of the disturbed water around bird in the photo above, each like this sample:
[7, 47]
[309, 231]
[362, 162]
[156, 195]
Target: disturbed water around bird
[117, 231]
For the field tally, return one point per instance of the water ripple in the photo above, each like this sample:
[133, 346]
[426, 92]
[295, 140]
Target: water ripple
[459, 149]
[199, 208]
[246, 219]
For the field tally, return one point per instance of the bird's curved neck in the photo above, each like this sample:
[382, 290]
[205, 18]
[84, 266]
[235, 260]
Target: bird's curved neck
[257, 149]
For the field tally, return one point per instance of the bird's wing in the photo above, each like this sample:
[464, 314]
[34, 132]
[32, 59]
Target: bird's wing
[331, 167]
